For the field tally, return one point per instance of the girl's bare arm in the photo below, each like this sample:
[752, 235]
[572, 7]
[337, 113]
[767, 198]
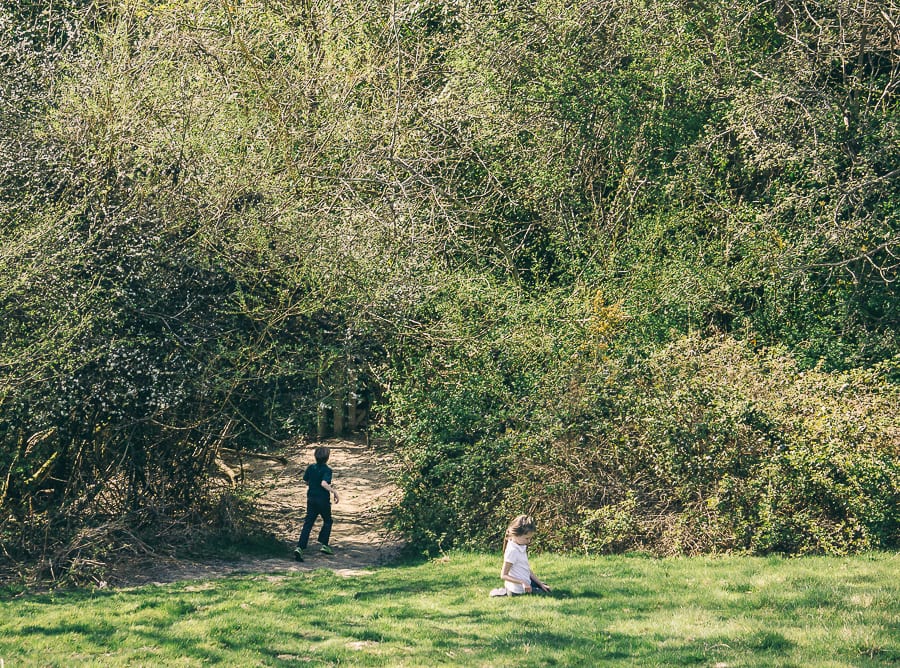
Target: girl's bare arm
[542, 585]
[504, 575]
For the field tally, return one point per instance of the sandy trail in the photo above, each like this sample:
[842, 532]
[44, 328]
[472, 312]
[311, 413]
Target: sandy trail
[360, 540]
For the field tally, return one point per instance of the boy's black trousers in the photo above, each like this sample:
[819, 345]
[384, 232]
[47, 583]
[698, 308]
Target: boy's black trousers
[315, 508]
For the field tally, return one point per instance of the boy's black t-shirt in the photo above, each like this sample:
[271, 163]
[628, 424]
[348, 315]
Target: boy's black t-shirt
[314, 475]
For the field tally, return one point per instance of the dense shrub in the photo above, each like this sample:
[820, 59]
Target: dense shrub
[707, 445]
[605, 261]
[456, 407]
[155, 307]
[716, 178]
[711, 445]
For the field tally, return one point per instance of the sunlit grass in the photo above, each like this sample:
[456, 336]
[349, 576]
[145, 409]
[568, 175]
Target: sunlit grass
[728, 611]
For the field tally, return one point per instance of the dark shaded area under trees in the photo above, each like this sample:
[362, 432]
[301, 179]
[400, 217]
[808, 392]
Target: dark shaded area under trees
[630, 267]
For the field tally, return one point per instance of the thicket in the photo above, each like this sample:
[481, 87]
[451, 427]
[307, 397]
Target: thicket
[712, 191]
[629, 266]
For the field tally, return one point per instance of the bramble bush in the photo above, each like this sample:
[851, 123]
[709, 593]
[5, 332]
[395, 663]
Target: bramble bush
[457, 404]
[590, 255]
[155, 308]
[711, 445]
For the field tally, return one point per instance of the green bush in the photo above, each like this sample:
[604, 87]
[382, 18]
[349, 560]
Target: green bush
[711, 445]
[216, 217]
[458, 404]
[708, 444]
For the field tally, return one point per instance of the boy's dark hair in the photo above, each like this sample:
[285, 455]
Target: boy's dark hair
[322, 454]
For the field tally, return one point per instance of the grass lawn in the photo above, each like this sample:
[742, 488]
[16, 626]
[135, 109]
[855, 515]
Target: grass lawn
[624, 610]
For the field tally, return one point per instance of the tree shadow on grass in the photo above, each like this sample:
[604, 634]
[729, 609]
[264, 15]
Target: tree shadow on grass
[566, 592]
[642, 649]
[99, 639]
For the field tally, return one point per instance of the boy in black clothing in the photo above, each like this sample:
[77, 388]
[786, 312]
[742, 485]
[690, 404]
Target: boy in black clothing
[318, 502]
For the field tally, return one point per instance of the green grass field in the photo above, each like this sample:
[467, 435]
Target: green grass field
[627, 610]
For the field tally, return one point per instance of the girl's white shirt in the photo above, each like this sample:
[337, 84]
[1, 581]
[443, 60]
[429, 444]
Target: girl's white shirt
[521, 570]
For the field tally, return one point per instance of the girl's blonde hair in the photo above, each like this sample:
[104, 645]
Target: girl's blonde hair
[522, 525]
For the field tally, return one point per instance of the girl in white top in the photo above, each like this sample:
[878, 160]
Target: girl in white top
[517, 576]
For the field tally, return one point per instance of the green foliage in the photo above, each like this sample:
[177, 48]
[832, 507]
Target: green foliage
[711, 445]
[458, 405]
[712, 176]
[706, 445]
[507, 222]
[156, 307]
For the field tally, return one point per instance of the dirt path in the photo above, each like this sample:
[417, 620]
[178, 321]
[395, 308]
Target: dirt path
[360, 541]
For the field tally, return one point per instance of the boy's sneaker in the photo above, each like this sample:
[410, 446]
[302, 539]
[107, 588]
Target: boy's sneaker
[298, 554]
[326, 550]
